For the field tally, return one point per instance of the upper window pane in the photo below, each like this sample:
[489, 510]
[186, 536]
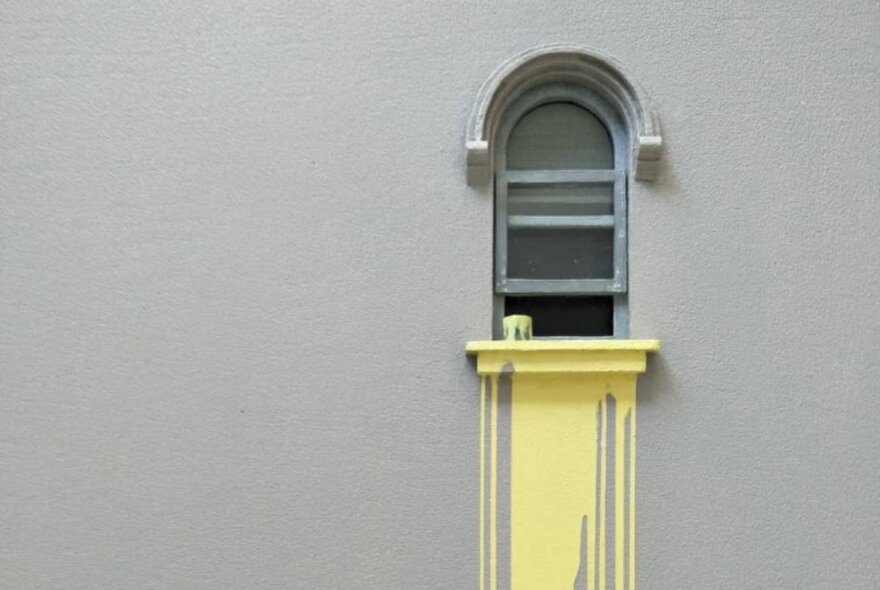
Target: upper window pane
[559, 136]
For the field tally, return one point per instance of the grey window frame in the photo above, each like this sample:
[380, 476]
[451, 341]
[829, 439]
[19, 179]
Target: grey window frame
[616, 286]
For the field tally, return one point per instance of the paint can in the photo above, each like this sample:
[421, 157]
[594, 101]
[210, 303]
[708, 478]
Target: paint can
[517, 327]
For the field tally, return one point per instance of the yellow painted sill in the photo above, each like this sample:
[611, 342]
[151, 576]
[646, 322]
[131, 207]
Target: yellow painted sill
[561, 356]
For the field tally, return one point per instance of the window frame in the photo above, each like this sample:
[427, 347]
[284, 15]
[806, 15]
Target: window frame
[617, 286]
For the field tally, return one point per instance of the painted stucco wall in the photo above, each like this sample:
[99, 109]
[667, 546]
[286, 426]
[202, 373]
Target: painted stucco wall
[239, 262]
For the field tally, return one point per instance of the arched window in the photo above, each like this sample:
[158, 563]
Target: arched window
[562, 130]
[561, 162]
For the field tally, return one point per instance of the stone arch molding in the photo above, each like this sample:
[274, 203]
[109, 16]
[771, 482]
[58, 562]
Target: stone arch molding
[573, 64]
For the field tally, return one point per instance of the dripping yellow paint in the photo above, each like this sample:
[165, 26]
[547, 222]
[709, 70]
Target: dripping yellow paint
[568, 517]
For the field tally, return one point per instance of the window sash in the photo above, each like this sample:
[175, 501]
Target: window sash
[616, 287]
[617, 284]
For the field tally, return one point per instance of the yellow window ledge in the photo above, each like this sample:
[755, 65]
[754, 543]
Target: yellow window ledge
[561, 356]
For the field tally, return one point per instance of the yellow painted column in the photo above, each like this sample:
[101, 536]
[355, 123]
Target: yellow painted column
[563, 514]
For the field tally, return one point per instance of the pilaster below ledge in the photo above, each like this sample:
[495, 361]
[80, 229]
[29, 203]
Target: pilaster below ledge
[561, 357]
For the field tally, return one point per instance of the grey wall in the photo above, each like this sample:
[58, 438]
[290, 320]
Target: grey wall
[239, 262]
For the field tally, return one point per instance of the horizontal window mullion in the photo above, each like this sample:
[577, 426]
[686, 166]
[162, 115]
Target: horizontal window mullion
[561, 221]
[509, 286]
[577, 199]
[551, 177]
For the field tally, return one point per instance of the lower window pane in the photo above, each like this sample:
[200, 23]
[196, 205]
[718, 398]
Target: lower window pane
[551, 253]
[564, 315]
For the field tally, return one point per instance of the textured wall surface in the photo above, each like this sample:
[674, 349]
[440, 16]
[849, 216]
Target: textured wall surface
[239, 262]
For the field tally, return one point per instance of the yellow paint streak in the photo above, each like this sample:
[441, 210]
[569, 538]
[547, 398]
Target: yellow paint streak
[557, 389]
[619, 488]
[482, 483]
[600, 518]
[632, 491]
[553, 479]
[493, 489]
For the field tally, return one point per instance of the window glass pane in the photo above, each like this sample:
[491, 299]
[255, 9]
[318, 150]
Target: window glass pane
[578, 253]
[559, 136]
[586, 199]
[565, 316]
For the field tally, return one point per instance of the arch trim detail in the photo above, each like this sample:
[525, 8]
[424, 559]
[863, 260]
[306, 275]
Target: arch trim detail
[572, 64]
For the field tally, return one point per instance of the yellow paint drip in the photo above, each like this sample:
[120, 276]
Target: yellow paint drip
[572, 456]
[482, 483]
[493, 489]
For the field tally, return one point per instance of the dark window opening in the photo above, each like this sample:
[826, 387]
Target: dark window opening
[578, 316]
